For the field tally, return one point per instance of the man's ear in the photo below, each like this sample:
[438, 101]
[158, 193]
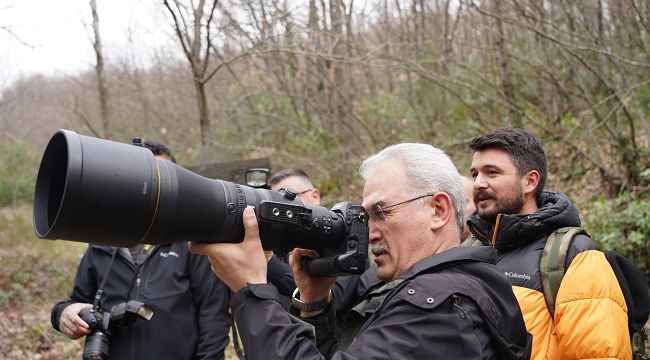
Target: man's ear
[443, 210]
[530, 181]
[316, 195]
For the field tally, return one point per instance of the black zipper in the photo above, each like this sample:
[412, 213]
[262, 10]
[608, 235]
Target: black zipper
[140, 261]
[478, 232]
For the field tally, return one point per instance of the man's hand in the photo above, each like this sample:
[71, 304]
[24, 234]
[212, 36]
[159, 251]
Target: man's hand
[71, 324]
[312, 288]
[237, 264]
[268, 254]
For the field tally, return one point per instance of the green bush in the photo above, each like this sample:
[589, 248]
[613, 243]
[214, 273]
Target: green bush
[623, 224]
[18, 168]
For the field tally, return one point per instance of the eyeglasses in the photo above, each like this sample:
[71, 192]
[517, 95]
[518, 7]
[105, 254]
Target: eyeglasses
[378, 212]
[295, 192]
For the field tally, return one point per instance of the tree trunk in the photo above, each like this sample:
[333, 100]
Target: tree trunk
[507, 87]
[104, 97]
[189, 26]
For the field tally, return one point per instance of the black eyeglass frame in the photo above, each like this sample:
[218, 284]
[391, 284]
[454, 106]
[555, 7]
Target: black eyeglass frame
[296, 192]
[376, 212]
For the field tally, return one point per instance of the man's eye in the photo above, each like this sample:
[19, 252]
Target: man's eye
[376, 212]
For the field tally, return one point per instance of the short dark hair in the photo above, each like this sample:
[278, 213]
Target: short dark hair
[524, 149]
[159, 149]
[283, 174]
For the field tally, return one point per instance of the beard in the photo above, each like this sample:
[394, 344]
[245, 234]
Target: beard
[511, 202]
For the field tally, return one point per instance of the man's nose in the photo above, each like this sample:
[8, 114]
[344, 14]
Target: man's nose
[373, 231]
[480, 182]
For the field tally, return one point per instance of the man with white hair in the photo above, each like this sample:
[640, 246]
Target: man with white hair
[430, 299]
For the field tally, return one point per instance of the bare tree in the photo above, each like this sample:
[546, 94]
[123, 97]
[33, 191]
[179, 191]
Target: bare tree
[194, 27]
[102, 82]
[502, 57]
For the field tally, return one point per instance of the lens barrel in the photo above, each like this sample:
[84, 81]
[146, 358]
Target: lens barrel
[91, 190]
[96, 346]
[108, 193]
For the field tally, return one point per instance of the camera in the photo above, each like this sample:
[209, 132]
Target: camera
[108, 193]
[103, 324]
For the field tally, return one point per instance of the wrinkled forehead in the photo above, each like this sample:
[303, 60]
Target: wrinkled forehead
[384, 183]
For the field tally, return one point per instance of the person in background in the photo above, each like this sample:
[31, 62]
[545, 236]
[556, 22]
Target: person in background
[190, 319]
[468, 186]
[279, 273]
[298, 181]
[515, 216]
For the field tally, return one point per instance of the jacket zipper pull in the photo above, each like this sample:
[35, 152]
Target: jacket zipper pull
[144, 254]
[495, 230]
[457, 301]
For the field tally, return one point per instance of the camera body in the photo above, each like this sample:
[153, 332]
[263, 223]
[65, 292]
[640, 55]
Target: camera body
[102, 324]
[286, 226]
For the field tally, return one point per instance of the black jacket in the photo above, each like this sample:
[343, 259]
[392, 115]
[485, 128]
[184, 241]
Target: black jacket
[191, 318]
[453, 305]
[347, 289]
[520, 239]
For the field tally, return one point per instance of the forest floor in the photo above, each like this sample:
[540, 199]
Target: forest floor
[34, 275]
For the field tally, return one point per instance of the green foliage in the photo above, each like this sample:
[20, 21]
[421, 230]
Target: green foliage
[643, 95]
[33, 270]
[623, 224]
[389, 117]
[34, 275]
[17, 172]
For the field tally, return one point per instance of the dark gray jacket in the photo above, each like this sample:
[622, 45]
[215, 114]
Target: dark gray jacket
[520, 239]
[453, 305]
[191, 318]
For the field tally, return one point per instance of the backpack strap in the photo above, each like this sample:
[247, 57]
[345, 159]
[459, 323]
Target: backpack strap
[552, 262]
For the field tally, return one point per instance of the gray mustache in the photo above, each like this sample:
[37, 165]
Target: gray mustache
[378, 248]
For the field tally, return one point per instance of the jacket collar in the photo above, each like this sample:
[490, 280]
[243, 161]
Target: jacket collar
[122, 251]
[555, 210]
[433, 263]
[449, 258]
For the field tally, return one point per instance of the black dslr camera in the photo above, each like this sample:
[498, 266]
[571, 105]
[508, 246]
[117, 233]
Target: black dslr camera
[107, 193]
[103, 324]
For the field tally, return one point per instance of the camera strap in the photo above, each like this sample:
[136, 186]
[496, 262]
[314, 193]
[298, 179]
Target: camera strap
[100, 291]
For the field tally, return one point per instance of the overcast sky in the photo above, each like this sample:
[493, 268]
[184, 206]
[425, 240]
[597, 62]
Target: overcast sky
[49, 36]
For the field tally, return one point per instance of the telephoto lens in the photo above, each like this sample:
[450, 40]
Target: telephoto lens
[109, 193]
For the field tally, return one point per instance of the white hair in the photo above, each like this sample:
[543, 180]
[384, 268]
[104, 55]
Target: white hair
[428, 169]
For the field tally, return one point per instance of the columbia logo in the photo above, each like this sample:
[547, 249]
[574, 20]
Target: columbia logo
[167, 254]
[511, 274]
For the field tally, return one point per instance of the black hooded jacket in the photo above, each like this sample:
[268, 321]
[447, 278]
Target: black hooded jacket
[453, 305]
[191, 318]
[520, 239]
